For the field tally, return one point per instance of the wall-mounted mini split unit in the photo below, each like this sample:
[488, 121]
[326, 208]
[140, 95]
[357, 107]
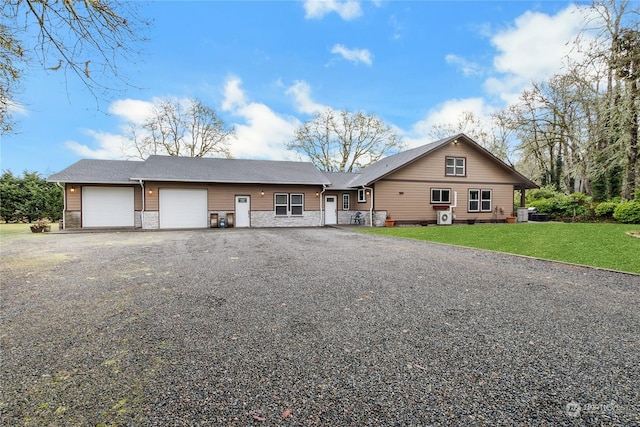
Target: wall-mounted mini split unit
[444, 217]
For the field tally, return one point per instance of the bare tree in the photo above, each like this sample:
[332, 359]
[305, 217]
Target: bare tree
[344, 141]
[86, 39]
[493, 133]
[182, 128]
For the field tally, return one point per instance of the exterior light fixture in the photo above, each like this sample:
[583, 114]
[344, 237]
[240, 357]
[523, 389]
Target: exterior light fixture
[317, 194]
[150, 191]
[262, 193]
[72, 190]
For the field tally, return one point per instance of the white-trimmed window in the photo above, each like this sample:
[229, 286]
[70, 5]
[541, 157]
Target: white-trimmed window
[345, 201]
[441, 195]
[485, 200]
[479, 200]
[362, 195]
[289, 204]
[297, 204]
[281, 204]
[456, 166]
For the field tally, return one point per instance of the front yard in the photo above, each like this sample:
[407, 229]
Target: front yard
[594, 244]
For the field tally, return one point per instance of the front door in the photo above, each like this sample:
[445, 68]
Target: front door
[331, 210]
[243, 211]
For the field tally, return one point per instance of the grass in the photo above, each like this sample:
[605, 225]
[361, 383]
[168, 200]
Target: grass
[14, 231]
[597, 245]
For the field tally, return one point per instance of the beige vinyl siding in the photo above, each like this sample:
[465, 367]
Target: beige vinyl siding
[416, 180]
[221, 197]
[74, 199]
[479, 168]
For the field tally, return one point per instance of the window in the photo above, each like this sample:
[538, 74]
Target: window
[289, 204]
[345, 202]
[456, 166]
[479, 200]
[282, 204]
[474, 200]
[485, 200]
[440, 195]
[297, 202]
[362, 195]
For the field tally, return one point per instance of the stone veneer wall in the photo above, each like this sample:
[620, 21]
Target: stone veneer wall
[73, 219]
[137, 220]
[151, 220]
[268, 219]
[344, 217]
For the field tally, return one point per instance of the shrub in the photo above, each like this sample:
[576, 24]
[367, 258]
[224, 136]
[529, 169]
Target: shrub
[628, 212]
[605, 209]
[544, 206]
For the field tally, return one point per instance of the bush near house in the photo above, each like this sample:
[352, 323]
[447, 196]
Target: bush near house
[628, 212]
[605, 209]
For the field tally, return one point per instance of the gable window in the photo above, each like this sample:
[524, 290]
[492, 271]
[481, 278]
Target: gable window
[362, 195]
[345, 202]
[456, 166]
[440, 195]
[479, 200]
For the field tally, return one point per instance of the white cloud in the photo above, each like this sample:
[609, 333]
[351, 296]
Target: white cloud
[233, 94]
[263, 133]
[533, 49]
[317, 9]
[132, 110]
[447, 113]
[353, 55]
[468, 68]
[109, 146]
[301, 93]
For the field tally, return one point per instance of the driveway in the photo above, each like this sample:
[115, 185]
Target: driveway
[309, 327]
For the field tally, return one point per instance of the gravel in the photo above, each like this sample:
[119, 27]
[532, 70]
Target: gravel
[308, 327]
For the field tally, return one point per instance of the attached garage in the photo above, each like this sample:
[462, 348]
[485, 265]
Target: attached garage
[183, 208]
[108, 207]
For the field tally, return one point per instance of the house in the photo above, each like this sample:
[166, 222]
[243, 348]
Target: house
[451, 180]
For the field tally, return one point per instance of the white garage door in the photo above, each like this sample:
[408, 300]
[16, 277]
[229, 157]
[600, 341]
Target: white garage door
[183, 208]
[108, 207]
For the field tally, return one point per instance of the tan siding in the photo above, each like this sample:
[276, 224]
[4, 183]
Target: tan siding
[415, 204]
[479, 168]
[74, 198]
[221, 197]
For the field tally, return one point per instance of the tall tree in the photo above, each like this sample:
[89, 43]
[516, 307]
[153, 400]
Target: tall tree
[86, 39]
[344, 141]
[182, 128]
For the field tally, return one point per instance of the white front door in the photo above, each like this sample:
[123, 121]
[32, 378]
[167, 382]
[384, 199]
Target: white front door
[330, 210]
[243, 211]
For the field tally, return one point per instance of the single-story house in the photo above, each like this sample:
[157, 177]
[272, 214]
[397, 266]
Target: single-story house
[450, 180]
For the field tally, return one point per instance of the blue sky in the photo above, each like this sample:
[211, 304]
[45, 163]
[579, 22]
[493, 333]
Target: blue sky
[267, 66]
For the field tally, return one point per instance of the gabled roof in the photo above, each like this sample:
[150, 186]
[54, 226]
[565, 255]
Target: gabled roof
[340, 180]
[207, 169]
[92, 171]
[388, 165]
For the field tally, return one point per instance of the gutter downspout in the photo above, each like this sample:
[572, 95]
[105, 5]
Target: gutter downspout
[144, 196]
[64, 205]
[371, 206]
[454, 205]
[324, 188]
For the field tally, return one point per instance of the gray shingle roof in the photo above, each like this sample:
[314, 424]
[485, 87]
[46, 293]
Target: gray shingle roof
[340, 180]
[92, 171]
[205, 169]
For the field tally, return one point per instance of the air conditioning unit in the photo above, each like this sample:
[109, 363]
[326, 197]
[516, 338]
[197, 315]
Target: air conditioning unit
[444, 217]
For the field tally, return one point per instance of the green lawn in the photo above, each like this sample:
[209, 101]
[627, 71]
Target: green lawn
[14, 231]
[598, 245]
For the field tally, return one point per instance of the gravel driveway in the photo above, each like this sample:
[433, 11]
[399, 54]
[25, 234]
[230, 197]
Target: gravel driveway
[309, 327]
